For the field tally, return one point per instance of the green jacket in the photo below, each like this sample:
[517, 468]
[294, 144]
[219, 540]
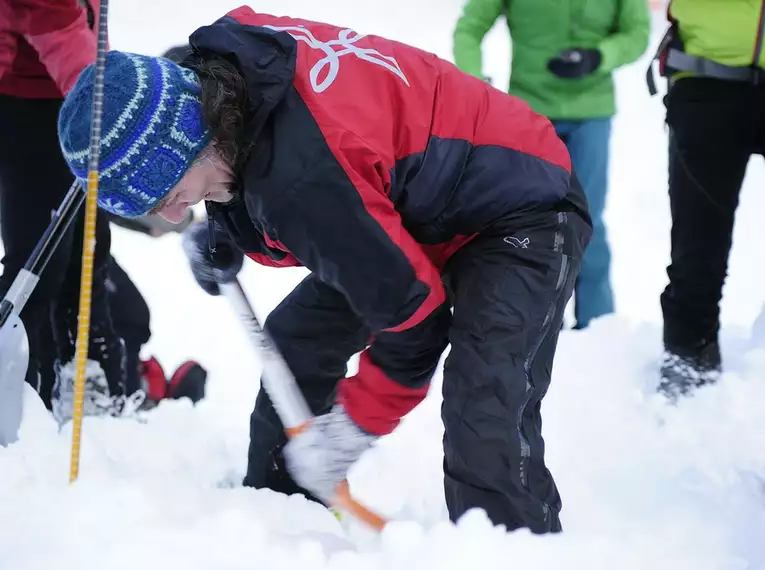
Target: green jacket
[726, 31]
[539, 29]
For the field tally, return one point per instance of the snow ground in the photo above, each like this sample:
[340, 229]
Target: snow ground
[644, 485]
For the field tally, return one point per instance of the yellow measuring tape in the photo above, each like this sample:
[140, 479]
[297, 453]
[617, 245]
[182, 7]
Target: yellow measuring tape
[83, 325]
[89, 245]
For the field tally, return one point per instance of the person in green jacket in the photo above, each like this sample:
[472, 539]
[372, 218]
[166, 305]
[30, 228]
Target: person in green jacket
[714, 60]
[564, 53]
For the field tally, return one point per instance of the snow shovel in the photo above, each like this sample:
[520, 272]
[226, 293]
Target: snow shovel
[286, 396]
[14, 356]
[14, 345]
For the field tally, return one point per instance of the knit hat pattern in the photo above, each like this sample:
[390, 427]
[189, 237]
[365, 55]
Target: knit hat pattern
[151, 130]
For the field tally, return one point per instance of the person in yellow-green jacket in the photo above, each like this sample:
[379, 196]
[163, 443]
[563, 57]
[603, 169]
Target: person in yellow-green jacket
[714, 61]
[564, 53]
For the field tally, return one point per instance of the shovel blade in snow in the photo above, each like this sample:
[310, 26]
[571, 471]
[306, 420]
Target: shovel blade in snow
[14, 359]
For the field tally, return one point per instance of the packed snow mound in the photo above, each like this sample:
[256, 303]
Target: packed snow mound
[644, 484]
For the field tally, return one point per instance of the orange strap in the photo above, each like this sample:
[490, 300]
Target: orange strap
[297, 430]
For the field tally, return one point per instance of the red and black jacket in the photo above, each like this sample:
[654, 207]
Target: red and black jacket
[44, 46]
[374, 162]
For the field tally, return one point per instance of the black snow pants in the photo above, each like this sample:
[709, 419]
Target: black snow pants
[508, 290]
[131, 318]
[34, 179]
[715, 127]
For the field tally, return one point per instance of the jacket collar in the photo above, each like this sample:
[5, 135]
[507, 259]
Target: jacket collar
[266, 59]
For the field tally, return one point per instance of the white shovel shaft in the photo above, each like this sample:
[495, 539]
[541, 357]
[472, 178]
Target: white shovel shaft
[277, 378]
[287, 398]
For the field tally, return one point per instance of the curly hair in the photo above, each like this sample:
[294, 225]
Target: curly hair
[225, 106]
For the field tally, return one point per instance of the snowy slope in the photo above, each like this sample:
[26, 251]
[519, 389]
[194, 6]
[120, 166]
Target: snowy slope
[644, 486]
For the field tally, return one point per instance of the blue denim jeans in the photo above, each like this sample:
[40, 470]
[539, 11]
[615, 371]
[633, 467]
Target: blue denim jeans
[588, 144]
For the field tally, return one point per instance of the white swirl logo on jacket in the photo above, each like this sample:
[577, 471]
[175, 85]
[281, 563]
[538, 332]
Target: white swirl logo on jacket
[332, 59]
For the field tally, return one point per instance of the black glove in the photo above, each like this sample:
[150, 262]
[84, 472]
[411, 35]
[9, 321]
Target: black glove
[575, 63]
[210, 269]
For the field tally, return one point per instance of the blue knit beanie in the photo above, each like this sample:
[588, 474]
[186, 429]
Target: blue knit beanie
[151, 130]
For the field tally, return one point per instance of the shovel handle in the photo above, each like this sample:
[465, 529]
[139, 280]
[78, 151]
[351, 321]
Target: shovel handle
[288, 401]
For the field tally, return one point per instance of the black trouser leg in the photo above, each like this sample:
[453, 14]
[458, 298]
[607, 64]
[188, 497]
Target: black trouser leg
[509, 299]
[34, 179]
[131, 318]
[105, 346]
[713, 129]
[317, 333]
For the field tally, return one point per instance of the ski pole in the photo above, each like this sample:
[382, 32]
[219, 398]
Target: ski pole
[89, 243]
[286, 396]
[26, 281]
[14, 342]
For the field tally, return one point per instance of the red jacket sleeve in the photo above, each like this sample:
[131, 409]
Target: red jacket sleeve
[59, 31]
[338, 221]
[7, 43]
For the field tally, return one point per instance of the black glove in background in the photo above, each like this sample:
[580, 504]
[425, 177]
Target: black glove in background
[575, 63]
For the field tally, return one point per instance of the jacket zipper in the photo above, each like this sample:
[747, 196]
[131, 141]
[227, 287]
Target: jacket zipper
[760, 33]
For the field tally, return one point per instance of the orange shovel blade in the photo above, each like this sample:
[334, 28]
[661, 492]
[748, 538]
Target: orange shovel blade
[343, 499]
